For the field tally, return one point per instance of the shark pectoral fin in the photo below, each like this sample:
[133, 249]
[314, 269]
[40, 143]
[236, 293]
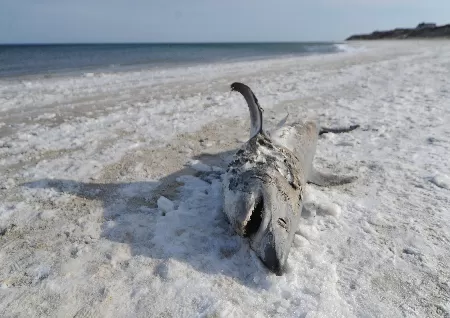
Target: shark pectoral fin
[325, 180]
[282, 122]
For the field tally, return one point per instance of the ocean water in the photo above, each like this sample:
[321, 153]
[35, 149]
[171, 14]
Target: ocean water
[18, 60]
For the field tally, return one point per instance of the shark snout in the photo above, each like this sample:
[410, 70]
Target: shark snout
[267, 218]
[270, 233]
[271, 258]
[272, 244]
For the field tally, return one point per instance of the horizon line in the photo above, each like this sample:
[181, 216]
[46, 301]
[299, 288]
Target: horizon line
[163, 43]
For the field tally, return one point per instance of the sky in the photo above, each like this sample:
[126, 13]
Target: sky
[86, 21]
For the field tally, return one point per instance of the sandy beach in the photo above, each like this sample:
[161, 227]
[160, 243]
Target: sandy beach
[110, 194]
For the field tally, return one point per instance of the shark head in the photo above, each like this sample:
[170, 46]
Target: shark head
[263, 206]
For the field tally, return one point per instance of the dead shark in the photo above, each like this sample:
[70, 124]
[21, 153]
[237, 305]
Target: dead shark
[263, 186]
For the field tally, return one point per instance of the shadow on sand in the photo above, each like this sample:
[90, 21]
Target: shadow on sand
[194, 231]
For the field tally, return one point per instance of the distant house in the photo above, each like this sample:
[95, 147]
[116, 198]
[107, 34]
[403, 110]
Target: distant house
[424, 25]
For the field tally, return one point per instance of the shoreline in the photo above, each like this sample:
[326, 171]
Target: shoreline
[151, 66]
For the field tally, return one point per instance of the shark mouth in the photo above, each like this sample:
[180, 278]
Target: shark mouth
[256, 218]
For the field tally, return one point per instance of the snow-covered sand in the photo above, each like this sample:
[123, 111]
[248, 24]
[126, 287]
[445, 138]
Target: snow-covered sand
[110, 202]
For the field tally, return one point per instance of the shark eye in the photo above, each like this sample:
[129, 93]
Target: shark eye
[254, 223]
[282, 223]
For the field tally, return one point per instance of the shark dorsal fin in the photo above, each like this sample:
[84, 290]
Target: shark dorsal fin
[255, 109]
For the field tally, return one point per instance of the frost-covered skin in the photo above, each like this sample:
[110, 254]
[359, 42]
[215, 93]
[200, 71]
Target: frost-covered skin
[263, 186]
[262, 195]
